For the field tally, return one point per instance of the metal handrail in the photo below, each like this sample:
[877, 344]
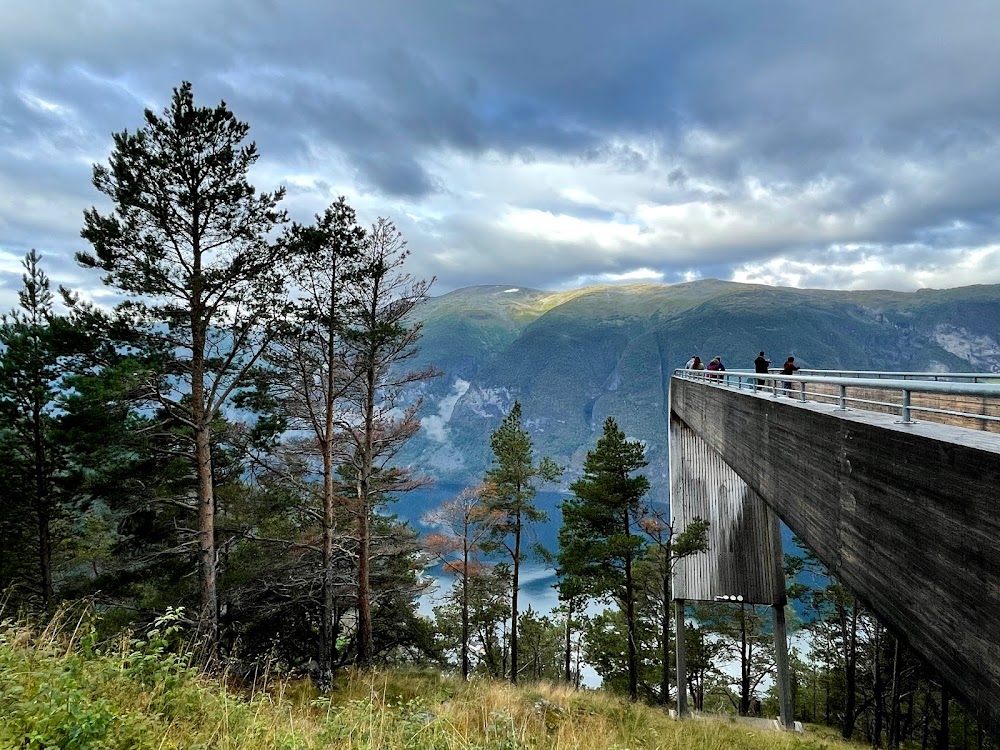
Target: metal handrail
[883, 374]
[741, 379]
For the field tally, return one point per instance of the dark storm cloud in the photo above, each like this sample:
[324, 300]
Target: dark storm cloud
[560, 140]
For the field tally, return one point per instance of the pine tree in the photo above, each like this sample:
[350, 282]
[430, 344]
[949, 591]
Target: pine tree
[188, 245]
[600, 539]
[29, 390]
[745, 637]
[511, 487]
[308, 374]
[379, 338]
[666, 549]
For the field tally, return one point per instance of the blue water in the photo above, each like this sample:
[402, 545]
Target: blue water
[537, 579]
[413, 505]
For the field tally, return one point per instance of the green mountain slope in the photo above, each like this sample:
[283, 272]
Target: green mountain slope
[573, 358]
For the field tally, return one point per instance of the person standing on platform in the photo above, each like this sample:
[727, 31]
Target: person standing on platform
[760, 366]
[789, 368]
[716, 366]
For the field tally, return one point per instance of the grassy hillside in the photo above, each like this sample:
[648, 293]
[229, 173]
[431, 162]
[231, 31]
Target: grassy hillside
[63, 689]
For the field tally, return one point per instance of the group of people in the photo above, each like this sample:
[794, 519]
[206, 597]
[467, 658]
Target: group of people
[761, 365]
[715, 365]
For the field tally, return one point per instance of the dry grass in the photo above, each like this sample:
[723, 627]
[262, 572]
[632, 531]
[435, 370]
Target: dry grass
[61, 689]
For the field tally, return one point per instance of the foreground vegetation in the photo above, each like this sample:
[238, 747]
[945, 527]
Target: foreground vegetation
[62, 688]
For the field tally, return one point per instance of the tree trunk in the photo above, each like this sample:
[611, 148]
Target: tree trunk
[744, 664]
[327, 642]
[201, 418]
[43, 511]
[465, 600]
[850, 670]
[365, 647]
[925, 719]
[826, 700]
[943, 735]
[894, 700]
[568, 656]
[364, 635]
[513, 598]
[327, 646]
[633, 658]
[576, 670]
[209, 618]
[878, 689]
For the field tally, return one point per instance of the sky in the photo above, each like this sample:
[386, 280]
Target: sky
[545, 143]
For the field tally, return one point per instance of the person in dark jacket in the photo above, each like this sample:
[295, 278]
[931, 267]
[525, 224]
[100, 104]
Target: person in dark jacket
[789, 368]
[760, 366]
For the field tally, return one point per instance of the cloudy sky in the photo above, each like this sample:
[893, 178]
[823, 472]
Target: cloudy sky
[547, 143]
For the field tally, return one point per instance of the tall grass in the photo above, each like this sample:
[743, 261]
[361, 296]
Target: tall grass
[61, 688]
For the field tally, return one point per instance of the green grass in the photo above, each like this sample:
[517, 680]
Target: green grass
[59, 688]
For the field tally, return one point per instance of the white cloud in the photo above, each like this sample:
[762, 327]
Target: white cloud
[505, 160]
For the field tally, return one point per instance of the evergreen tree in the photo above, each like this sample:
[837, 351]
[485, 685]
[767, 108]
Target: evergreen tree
[30, 374]
[541, 645]
[308, 373]
[488, 598]
[666, 549]
[573, 596]
[188, 244]
[600, 538]
[379, 338]
[511, 487]
[746, 639]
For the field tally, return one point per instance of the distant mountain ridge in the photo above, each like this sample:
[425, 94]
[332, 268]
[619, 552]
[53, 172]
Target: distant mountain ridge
[573, 358]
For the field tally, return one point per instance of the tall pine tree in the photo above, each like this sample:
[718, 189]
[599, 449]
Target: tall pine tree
[379, 337]
[309, 375]
[29, 389]
[511, 486]
[188, 245]
[600, 539]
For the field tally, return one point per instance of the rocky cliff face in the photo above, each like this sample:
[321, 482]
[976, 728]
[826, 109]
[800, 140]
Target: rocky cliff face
[574, 358]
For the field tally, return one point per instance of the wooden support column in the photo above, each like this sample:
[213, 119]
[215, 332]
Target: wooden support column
[786, 708]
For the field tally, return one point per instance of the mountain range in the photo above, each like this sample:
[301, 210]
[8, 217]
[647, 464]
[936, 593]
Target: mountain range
[574, 358]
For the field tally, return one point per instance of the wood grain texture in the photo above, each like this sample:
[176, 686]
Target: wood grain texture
[906, 516]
